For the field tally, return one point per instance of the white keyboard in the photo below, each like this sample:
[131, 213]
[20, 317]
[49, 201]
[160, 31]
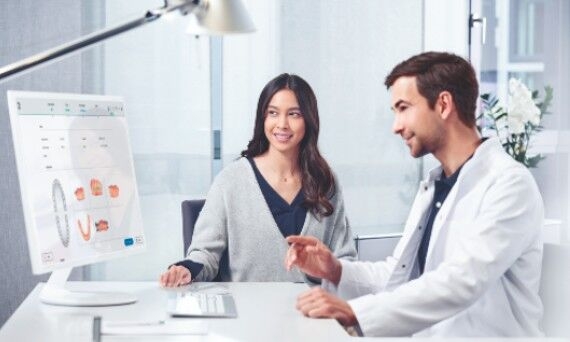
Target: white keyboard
[203, 304]
[210, 303]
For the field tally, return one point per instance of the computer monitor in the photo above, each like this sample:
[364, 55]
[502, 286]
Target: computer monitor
[78, 187]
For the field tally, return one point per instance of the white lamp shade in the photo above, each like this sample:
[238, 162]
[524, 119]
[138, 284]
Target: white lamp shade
[216, 17]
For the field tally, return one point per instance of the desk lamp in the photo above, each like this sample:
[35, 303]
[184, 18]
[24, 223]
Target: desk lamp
[209, 17]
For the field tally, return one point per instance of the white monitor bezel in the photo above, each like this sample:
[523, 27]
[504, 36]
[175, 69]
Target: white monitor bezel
[30, 224]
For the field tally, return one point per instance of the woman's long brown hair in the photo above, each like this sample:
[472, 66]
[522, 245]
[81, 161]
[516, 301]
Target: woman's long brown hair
[318, 184]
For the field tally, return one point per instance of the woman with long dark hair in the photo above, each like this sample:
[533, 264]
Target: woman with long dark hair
[281, 186]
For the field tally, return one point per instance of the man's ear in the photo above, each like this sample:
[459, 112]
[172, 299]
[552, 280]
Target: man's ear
[446, 106]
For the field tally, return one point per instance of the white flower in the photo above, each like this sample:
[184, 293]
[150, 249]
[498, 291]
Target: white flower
[516, 124]
[522, 108]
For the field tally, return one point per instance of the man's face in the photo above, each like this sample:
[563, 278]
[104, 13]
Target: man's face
[419, 126]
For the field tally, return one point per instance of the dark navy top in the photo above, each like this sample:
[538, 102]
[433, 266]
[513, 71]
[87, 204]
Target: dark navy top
[290, 218]
[442, 189]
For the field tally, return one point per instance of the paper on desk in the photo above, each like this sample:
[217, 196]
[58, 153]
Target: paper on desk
[171, 327]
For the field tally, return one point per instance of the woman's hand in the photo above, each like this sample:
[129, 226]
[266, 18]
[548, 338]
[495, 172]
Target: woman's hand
[175, 276]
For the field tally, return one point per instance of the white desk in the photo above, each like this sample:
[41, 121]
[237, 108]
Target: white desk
[266, 312]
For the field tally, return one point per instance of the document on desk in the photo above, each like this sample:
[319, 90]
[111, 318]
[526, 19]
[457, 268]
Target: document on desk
[168, 327]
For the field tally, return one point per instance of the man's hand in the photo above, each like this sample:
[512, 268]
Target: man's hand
[311, 256]
[175, 276]
[318, 303]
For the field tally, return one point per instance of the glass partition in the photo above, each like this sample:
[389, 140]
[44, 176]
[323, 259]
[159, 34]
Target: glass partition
[164, 76]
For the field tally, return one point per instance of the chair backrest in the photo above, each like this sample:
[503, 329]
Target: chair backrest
[376, 247]
[190, 211]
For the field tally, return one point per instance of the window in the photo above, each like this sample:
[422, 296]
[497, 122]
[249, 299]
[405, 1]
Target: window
[528, 39]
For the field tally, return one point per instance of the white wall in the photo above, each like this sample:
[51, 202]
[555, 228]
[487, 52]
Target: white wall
[164, 76]
[445, 26]
[445, 29]
[345, 61]
[249, 62]
[26, 30]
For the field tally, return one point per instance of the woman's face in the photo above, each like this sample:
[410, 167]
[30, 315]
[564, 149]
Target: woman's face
[284, 122]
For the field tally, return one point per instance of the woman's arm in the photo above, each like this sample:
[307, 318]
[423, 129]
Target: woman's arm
[341, 241]
[209, 240]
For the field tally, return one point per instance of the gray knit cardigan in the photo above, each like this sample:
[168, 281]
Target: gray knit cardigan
[237, 235]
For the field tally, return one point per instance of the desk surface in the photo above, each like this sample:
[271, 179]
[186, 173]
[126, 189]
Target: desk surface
[266, 312]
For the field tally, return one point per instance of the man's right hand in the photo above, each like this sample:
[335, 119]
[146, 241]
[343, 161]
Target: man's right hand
[175, 276]
[311, 256]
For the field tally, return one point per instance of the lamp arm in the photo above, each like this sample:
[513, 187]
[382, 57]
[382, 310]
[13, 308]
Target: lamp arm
[185, 6]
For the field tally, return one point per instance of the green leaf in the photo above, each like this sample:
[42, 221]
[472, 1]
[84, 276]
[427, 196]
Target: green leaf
[503, 114]
[533, 161]
[548, 94]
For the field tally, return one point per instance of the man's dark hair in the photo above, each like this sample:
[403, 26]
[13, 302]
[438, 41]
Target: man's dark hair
[440, 71]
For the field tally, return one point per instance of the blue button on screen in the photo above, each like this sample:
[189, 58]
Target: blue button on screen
[129, 241]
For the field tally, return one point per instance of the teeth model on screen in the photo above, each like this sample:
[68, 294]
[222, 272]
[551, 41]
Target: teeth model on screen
[102, 226]
[79, 194]
[85, 232]
[60, 211]
[96, 187]
[113, 191]
[84, 226]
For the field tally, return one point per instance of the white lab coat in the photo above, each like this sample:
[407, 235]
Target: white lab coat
[483, 264]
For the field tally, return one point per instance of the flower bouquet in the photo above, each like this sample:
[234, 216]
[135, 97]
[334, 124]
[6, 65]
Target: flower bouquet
[515, 125]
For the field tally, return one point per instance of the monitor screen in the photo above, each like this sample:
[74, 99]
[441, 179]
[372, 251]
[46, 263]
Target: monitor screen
[77, 179]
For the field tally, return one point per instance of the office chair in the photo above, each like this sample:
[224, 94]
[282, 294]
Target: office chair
[376, 247]
[190, 211]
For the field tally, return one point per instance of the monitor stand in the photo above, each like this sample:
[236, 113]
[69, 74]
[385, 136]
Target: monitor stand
[55, 293]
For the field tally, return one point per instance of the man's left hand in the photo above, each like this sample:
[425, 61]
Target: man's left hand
[318, 303]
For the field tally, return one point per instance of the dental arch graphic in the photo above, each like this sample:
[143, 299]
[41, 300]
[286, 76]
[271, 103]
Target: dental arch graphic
[85, 232]
[60, 212]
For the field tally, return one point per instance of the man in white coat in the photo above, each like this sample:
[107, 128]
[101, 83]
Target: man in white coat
[469, 260]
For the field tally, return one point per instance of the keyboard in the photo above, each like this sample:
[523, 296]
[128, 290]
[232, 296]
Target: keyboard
[201, 304]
